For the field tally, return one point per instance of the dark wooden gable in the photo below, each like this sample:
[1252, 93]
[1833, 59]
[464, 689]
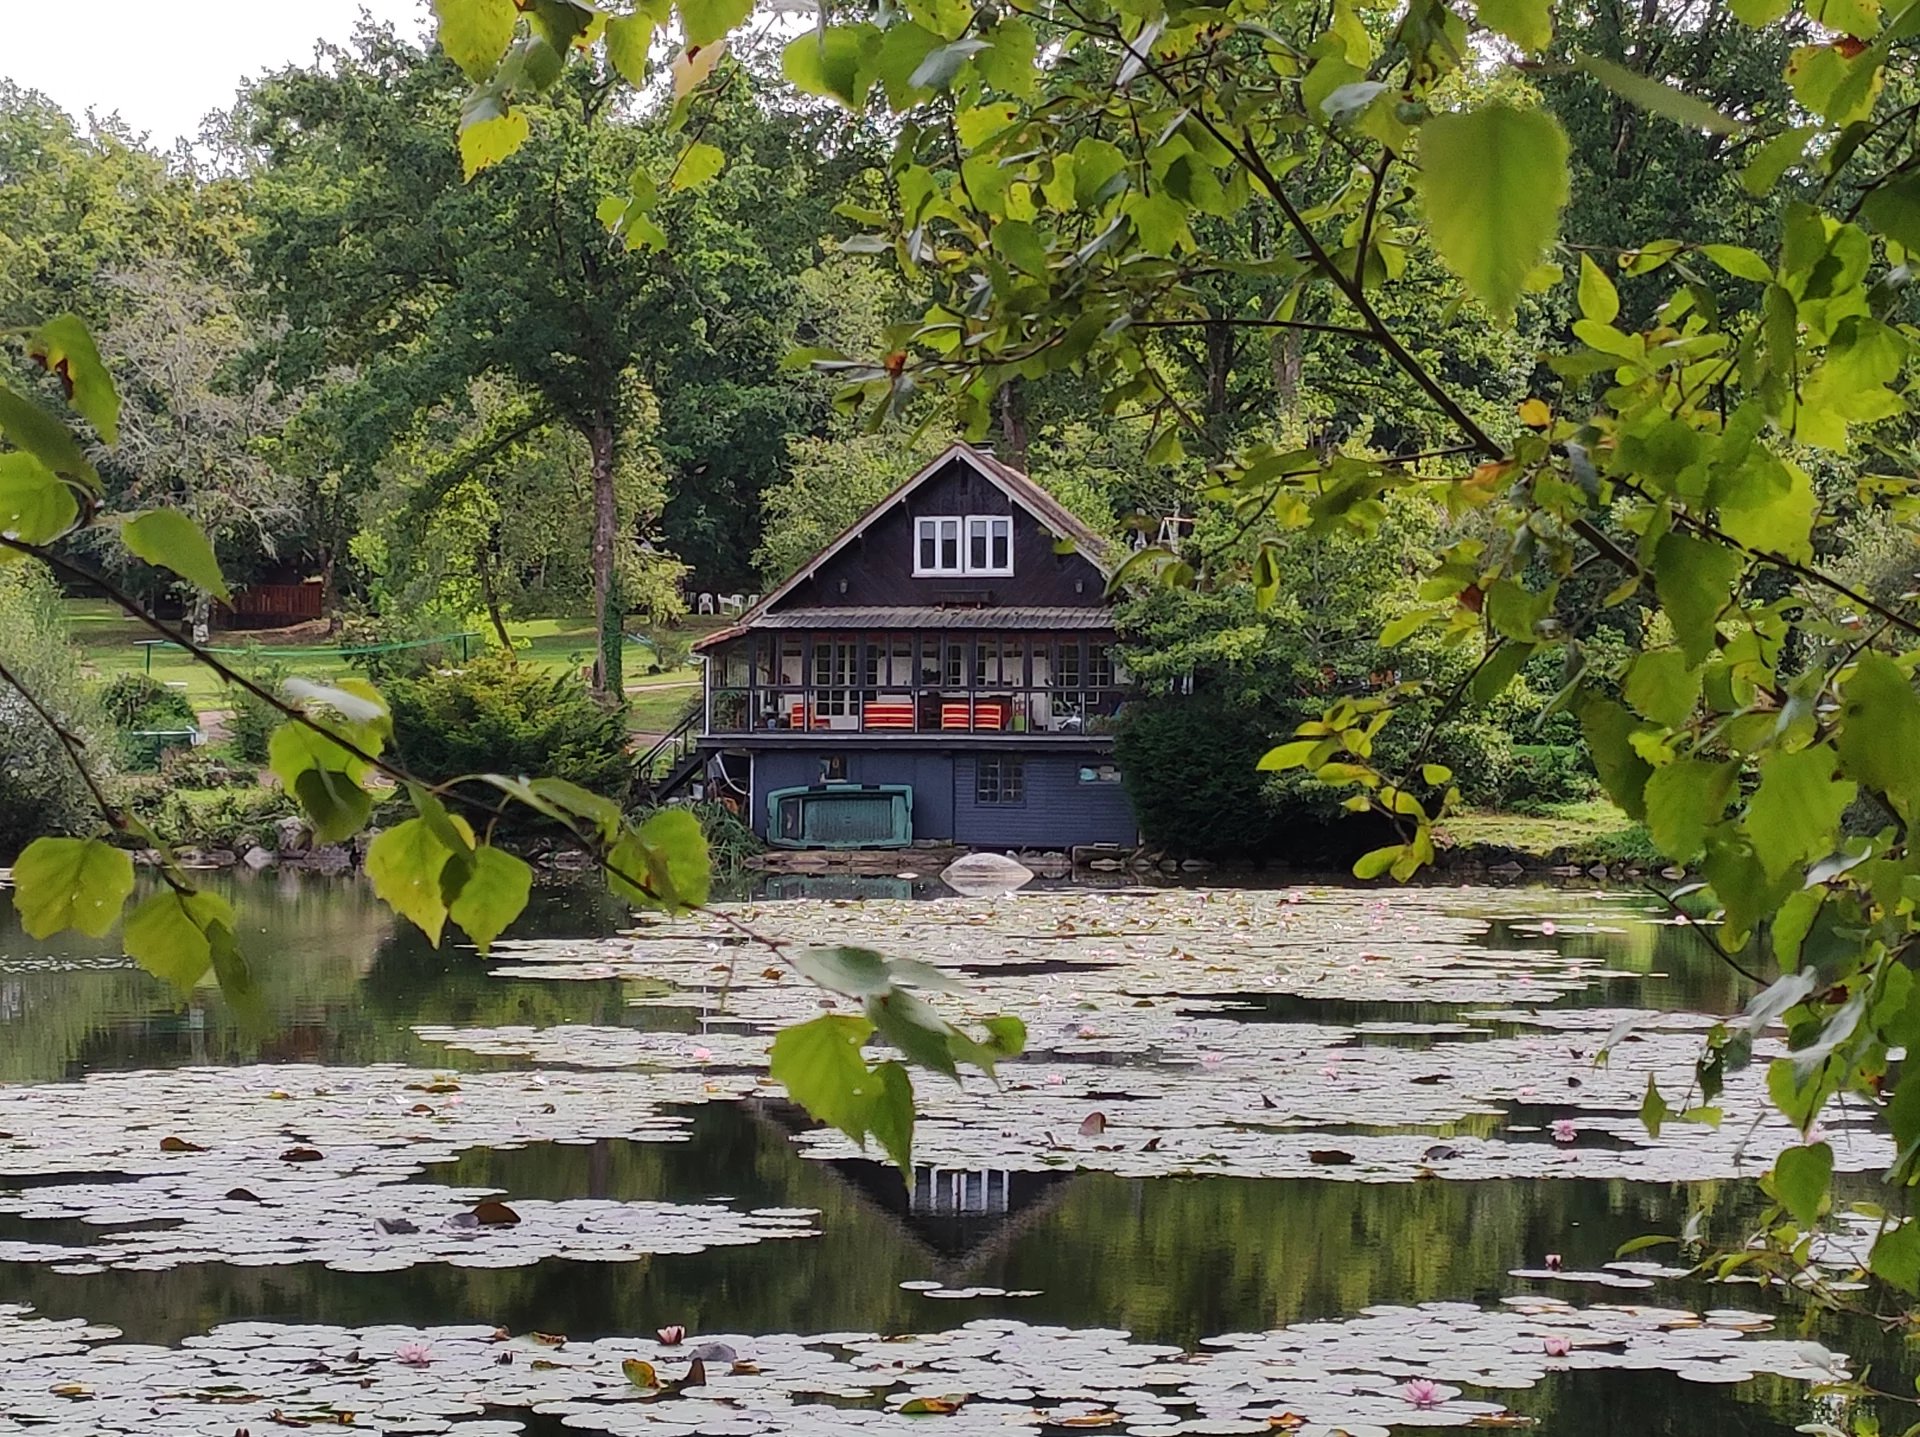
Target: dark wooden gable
[875, 566]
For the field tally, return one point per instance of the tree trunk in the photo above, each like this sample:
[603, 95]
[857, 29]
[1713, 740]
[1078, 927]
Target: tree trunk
[492, 597]
[1013, 424]
[329, 595]
[606, 666]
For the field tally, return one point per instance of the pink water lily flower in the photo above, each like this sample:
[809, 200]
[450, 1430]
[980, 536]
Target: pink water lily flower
[1556, 1345]
[1553, 1262]
[1564, 1130]
[1422, 1392]
[1547, 928]
[672, 1336]
[700, 1055]
[414, 1354]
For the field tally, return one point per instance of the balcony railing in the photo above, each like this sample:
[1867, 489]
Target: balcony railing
[914, 710]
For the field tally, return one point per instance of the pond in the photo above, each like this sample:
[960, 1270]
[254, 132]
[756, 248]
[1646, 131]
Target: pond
[1316, 1159]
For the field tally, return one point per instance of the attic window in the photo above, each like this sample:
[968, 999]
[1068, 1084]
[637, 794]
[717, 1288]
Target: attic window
[977, 544]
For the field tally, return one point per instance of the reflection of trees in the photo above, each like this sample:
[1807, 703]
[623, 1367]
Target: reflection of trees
[342, 980]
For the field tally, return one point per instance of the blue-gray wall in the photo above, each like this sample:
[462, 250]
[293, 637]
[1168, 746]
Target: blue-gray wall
[1058, 809]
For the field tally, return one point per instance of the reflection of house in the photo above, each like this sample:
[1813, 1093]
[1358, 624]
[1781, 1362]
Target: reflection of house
[942, 670]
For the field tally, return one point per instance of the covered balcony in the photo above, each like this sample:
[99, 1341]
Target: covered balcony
[950, 683]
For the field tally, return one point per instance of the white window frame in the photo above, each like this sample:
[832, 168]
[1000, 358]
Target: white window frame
[963, 527]
[937, 527]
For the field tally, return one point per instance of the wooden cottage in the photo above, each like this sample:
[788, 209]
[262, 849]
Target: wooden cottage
[943, 670]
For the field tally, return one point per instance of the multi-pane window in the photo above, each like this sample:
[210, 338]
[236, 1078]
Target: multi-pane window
[973, 544]
[833, 670]
[1000, 780]
[889, 661]
[989, 544]
[1066, 665]
[937, 547]
[1100, 666]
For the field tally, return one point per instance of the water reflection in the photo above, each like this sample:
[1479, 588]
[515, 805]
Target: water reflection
[1170, 1259]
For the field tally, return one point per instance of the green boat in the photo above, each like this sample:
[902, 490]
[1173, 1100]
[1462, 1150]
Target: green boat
[841, 815]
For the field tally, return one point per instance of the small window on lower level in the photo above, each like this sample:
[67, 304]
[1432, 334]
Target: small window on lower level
[1100, 773]
[1000, 780]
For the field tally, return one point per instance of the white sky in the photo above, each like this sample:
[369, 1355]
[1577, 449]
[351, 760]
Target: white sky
[161, 71]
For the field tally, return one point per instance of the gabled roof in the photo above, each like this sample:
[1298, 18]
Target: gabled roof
[1018, 488]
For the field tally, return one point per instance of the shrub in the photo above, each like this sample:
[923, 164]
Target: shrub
[140, 701]
[40, 790]
[1547, 774]
[232, 818]
[670, 650]
[493, 717]
[1189, 767]
[254, 720]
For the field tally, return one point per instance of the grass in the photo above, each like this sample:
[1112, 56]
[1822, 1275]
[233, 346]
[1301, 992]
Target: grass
[111, 644]
[1593, 831]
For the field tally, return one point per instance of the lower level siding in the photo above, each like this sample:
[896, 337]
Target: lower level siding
[1049, 806]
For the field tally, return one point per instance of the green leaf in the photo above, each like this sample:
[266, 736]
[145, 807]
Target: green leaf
[36, 505]
[700, 163]
[677, 848]
[404, 864]
[856, 972]
[1609, 729]
[1795, 813]
[1659, 97]
[476, 33]
[64, 347]
[78, 883]
[1694, 580]
[1684, 799]
[1098, 166]
[1759, 13]
[494, 894]
[1599, 300]
[560, 797]
[1775, 158]
[1740, 262]
[890, 1113]
[938, 70]
[1006, 1038]
[708, 20]
[819, 1062]
[1528, 23]
[170, 539]
[336, 807]
[1879, 732]
[837, 62]
[1514, 612]
[1499, 671]
[1800, 1178]
[1160, 222]
[629, 41]
[821, 1066]
[46, 438]
[1653, 1109]
[487, 139]
[1769, 505]
[168, 934]
[1663, 686]
[1839, 88]
[913, 1027]
[903, 49]
[1372, 865]
[1893, 208]
[1896, 1257]
[1493, 182]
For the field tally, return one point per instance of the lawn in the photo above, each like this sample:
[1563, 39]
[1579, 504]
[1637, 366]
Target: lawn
[111, 643]
[1592, 831]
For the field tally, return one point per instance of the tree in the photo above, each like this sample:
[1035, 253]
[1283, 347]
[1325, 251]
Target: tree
[195, 434]
[1059, 217]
